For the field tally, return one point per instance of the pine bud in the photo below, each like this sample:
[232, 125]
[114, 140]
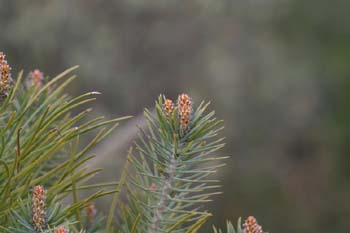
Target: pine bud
[36, 78]
[184, 105]
[90, 212]
[38, 208]
[153, 187]
[61, 230]
[5, 77]
[251, 226]
[168, 107]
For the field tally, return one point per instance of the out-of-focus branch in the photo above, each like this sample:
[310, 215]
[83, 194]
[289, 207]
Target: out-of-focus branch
[114, 148]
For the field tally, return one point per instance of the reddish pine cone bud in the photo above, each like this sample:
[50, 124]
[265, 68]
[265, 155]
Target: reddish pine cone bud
[90, 212]
[184, 105]
[251, 226]
[153, 187]
[168, 107]
[5, 77]
[61, 230]
[36, 78]
[38, 208]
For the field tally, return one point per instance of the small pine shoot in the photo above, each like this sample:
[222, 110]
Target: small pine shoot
[168, 180]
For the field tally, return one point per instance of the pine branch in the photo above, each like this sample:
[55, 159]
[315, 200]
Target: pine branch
[165, 192]
[38, 148]
[168, 178]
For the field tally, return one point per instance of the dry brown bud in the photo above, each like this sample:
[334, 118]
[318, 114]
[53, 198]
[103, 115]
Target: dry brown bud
[38, 208]
[5, 77]
[61, 230]
[168, 107]
[251, 226]
[184, 105]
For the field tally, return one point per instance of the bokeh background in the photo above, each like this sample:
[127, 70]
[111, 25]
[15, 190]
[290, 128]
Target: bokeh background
[276, 71]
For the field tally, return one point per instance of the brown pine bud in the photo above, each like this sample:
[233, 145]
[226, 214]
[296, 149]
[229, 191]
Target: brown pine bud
[251, 226]
[38, 208]
[153, 187]
[61, 230]
[90, 212]
[36, 78]
[168, 107]
[5, 77]
[184, 105]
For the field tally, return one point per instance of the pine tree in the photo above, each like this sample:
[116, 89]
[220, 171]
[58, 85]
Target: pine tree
[164, 186]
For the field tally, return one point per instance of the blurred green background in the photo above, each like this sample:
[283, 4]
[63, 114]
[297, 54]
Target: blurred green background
[276, 71]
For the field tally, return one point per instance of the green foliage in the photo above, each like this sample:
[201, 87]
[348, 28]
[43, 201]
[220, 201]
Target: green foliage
[230, 228]
[39, 145]
[21, 220]
[166, 182]
[168, 178]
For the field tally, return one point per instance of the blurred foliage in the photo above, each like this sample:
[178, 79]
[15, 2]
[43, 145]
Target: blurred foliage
[277, 72]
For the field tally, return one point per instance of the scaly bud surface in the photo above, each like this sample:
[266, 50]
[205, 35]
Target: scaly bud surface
[168, 107]
[184, 105]
[251, 226]
[5, 77]
[38, 208]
